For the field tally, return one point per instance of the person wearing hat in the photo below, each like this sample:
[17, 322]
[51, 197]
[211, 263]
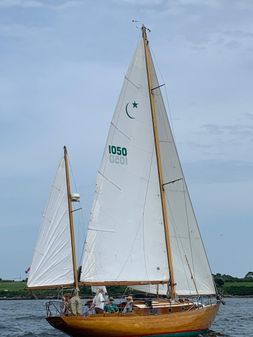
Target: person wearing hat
[111, 306]
[129, 305]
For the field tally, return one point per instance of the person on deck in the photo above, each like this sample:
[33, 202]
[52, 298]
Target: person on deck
[75, 304]
[111, 307]
[99, 302]
[129, 305]
[87, 309]
[65, 309]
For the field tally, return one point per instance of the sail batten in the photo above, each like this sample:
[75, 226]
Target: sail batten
[52, 265]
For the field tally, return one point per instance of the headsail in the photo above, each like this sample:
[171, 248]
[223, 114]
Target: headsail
[52, 261]
[125, 240]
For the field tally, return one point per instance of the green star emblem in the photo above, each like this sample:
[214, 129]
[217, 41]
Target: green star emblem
[135, 104]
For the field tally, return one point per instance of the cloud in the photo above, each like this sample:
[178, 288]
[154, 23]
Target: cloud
[21, 3]
[32, 4]
[240, 34]
[10, 3]
[213, 129]
[173, 3]
[15, 30]
[146, 3]
[55, 63]
[39, 4]
[219, 171]
[66, 5]
[234, 39]
[232, 27]
[249, 115]
[197, 3]
[232, 130]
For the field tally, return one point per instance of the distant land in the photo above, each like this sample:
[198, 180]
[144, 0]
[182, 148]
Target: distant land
[227, 285]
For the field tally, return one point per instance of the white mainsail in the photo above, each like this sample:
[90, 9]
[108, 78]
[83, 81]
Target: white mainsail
[125, 240]
[52, 261]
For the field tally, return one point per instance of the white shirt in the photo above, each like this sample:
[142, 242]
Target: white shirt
[98, 301]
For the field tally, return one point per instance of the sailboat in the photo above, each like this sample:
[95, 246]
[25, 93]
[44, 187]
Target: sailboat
[142, 232]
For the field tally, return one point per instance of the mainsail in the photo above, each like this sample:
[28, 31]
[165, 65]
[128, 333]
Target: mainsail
[191, 268]
[125, 242]
[52, 261]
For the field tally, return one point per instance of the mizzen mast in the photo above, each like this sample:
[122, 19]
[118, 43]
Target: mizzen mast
[71, 223]
[159, 164]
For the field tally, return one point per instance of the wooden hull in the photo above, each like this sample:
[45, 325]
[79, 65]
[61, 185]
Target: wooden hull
[187, 323]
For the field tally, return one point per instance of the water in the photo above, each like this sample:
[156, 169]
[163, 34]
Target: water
[26, 319]
[235, 318]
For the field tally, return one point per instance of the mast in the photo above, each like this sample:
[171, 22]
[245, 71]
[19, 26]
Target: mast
[159, 164]
[72, 238]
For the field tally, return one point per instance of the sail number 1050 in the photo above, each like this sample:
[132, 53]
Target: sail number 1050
[120, 151]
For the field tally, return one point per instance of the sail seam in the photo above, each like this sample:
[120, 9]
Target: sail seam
[144, 206]
[177, 237]
[111, 182]
[189, 234]
[112, 124]
[135, 85]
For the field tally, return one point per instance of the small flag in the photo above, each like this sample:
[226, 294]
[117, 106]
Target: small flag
[27, 270]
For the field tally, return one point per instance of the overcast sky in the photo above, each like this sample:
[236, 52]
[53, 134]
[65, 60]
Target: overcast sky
[62, 64]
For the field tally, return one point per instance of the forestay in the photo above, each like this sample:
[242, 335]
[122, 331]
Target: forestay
[52, 260]
[125, 240]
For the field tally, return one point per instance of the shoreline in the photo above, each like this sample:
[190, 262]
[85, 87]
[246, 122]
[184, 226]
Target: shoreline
[17, 298]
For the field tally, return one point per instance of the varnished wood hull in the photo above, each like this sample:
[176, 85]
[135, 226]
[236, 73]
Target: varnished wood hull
[187, 323]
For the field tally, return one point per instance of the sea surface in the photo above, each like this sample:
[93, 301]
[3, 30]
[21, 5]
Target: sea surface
[27, 319]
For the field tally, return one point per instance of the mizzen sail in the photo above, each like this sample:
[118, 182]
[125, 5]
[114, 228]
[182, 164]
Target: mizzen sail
[191, 268]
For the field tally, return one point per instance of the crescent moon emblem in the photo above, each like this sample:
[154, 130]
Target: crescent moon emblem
[128, 112]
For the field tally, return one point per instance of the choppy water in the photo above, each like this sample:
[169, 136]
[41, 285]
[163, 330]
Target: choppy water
[26, 319]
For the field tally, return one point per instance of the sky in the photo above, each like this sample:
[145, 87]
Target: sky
[62, 64]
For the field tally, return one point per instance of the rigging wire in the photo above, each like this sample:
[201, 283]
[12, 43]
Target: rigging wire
[144, 206]
[170, 112]
[188, 227]
[163, 119]
[80, 220]
[179, 242]
[167, 105]
[185, 190]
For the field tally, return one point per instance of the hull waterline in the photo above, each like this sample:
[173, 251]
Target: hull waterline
[187, 323]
